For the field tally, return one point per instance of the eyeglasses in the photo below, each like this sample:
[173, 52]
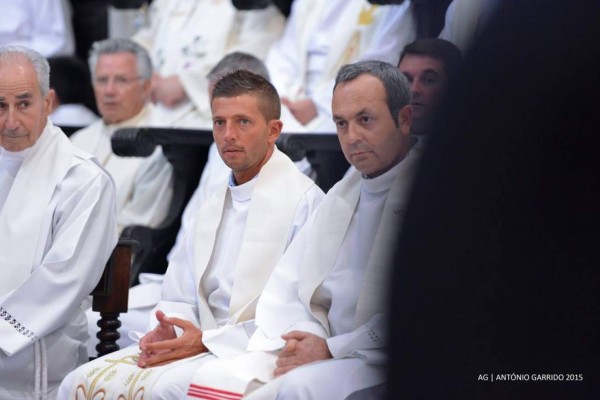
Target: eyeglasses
[118, 81]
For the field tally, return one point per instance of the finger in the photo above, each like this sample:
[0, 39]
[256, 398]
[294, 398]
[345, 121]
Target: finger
[170, 344]
[181, 323]
[280, 371]
[286, 102]
[298, 335]
[289, 347]
[156, 359]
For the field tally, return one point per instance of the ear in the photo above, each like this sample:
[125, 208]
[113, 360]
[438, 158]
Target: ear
[48, 102]
[274, 126]
[405, 119]
[147, 86]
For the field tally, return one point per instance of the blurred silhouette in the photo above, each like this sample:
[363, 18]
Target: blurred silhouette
[497, 265]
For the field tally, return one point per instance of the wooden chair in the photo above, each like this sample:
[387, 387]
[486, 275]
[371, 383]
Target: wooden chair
[187, 151]
[111, 295]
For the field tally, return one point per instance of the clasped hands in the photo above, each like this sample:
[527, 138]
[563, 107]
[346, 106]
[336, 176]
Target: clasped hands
[300, 348]
[162, 346]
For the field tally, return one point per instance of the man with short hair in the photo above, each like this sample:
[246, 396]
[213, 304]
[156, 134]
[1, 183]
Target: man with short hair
[121, 74]
[217, 274]
[57, 230]
[320, 321]
[428, 64]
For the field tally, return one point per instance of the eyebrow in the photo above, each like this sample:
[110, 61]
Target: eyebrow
[358, 114]
[24, 96]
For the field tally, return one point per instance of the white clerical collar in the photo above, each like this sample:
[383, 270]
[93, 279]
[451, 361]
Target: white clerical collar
[241, 192]
[382, 182]
[10, 161]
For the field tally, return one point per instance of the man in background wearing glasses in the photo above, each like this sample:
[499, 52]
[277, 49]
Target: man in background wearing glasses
[121, 72]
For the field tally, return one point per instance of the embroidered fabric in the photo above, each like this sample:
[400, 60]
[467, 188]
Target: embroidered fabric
[5, 315]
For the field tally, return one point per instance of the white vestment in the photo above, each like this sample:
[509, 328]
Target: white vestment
[320, 37]
[57, 230]
[331, 282]
[215, 278]
[44, 26]
[144, 185]
[187, 38]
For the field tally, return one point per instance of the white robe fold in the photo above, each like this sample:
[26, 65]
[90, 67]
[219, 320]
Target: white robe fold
[282, 198]
[144, 185]
[310, 290]
[57, 230]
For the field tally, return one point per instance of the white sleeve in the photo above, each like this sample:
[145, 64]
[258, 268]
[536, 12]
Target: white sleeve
[282, 59]
[152, 193]
[367, 341]
[52, 33]
[82, 237]
[179, 293]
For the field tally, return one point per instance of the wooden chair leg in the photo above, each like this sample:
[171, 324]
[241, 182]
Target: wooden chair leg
[111, 295]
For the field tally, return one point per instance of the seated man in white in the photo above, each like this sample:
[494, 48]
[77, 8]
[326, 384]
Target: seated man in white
[320, 37]
[121, 73]
[321, 318]
[216, 276]
[187, 38]
[57, 230]
[145, 296]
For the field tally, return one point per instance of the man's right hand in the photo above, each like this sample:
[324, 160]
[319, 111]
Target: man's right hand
[162, 346]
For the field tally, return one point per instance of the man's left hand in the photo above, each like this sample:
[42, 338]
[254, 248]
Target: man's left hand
[300, 348]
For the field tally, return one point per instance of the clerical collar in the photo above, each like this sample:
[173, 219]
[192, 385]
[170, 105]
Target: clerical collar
[382, 182]
[241, 192]
[14, 155]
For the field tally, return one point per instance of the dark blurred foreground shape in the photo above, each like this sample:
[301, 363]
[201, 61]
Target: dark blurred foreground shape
[498, 267]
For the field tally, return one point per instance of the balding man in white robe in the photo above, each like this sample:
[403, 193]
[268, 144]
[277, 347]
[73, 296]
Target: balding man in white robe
[215, 278]
[57, 230]
[320, 322]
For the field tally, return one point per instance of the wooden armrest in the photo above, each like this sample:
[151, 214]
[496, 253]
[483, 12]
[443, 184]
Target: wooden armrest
[111, 295]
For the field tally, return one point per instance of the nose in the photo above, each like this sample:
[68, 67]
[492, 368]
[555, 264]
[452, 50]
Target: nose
[110, 87]
[354, 135]
[229, 133]
[12, 122]
[415, 88]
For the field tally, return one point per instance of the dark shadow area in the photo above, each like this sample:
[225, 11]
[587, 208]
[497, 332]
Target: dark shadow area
[498, 264]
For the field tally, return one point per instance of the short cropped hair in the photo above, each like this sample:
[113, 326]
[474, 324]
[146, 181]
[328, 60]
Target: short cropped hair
[242, 82]
[440, 49]
[121, 45]
[38, 62]
[397, 88]
[237, 60]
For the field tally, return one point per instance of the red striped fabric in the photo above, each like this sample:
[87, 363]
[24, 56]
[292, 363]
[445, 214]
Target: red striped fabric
[208, 393]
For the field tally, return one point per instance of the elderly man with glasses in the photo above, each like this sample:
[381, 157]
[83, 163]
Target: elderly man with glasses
[121, 75]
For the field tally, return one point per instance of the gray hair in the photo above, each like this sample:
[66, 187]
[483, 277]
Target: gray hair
[121, 45]
[396, 85]
[37, 61]
[234, 61]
